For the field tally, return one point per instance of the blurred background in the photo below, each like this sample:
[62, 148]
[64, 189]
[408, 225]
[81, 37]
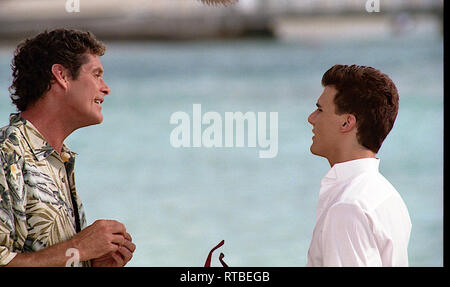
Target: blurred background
[164, 56]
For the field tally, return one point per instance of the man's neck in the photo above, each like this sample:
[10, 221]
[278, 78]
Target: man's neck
[50, 126]
[351, 155]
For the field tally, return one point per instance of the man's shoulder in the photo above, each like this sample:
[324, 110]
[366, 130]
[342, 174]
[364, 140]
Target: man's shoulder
[10, 138]
[368, 191]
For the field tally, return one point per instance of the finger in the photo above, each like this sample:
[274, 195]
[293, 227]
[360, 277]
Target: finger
[128, 236]
[117, 227]
[118, 258]
[125, 253]
[129, 245]
[111, 226]
[118, 239]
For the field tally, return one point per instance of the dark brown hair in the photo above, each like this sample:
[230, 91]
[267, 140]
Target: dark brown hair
[34, 58]
[370, 96]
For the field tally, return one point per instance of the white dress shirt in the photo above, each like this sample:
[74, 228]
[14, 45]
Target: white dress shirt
[361, 219]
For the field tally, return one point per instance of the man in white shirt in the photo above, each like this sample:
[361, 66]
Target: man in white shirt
[361, 218]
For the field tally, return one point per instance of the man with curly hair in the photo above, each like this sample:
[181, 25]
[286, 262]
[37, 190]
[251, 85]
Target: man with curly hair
[361, 219]
[57, 87]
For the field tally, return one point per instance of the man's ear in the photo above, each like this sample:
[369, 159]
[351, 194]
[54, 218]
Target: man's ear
[348, 123]
[61, 75]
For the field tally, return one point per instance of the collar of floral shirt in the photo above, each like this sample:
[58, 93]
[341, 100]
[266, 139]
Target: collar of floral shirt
[37, 143]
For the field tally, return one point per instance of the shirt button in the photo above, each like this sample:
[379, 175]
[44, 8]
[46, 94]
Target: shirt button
[65, 156]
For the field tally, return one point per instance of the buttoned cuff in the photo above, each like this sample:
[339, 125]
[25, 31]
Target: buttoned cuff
[6, 256]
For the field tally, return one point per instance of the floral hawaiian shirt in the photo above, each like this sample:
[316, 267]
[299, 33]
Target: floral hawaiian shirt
[39, 205]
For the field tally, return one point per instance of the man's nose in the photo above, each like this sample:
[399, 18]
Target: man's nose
[311, 118]
[105, 89]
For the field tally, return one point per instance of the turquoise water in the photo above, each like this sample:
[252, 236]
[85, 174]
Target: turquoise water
[179, 203]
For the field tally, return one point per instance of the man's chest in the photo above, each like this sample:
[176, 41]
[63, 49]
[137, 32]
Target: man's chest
[50, 213]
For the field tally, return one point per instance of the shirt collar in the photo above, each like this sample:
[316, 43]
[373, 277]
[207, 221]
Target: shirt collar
[37, 143]
[349, 169]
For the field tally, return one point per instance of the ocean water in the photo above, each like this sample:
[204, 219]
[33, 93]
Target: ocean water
[178, 203]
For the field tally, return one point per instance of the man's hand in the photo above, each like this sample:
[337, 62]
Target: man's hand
[104, 239]
[118, 258]
[105, 242]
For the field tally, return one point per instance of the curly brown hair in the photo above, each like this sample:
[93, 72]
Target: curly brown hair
[370, 96]
[34, 58]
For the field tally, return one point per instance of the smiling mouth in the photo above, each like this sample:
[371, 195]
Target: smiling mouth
[98, 101]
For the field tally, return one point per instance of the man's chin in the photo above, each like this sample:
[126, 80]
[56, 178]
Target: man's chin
[92, 122]
[98, 119]
[314, 151]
